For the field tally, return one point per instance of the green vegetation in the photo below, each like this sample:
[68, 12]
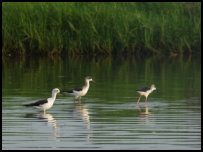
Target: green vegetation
[176, 78]
[100, 28]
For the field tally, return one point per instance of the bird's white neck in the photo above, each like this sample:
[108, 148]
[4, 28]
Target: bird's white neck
[87, 84]
[53, 96]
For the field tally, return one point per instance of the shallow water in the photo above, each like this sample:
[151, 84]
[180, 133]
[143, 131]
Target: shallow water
[108, 117]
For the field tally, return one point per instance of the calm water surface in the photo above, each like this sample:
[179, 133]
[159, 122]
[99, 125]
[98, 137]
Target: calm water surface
[108, 117]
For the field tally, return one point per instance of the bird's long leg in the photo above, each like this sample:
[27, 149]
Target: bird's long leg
[74, 100]
[138, 100]
[80, 100]
[146, 101]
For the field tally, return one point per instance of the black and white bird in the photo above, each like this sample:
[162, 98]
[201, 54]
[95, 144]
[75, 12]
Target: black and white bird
[79, 92]
[43, 105]
[145, 91]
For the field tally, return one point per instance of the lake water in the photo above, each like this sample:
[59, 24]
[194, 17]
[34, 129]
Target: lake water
[108, 117]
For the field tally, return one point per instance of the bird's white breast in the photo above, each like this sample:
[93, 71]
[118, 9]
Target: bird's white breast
[49, 104]
[83, 92]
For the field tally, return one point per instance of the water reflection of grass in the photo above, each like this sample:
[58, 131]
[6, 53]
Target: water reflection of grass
[114, 78]
[101, 28]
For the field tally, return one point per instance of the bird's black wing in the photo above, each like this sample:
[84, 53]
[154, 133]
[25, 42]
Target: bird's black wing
[143, 89]
[38, 103]
[71, 91]
[78, 89]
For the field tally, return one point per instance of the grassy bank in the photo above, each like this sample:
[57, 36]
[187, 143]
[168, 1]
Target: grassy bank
[100, 28]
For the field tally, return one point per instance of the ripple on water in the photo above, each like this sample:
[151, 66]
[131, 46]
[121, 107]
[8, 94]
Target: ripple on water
[96, 125]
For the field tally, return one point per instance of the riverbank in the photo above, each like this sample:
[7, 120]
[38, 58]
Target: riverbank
[100, 28]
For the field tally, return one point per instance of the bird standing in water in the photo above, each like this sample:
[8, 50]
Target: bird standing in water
[79, 92]
[145, 91]
[45, 104]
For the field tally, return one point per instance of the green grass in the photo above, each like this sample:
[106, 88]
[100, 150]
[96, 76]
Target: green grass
[100, 28]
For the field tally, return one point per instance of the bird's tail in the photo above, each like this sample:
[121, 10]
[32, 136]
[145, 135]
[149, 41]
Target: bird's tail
[27, 105]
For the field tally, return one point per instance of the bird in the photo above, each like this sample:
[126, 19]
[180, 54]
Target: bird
[145, 91]
[45, 104]
[79, 92]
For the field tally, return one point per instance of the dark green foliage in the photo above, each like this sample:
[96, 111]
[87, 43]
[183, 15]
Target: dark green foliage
[101, 28]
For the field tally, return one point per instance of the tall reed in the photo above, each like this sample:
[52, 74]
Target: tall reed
[100, 28]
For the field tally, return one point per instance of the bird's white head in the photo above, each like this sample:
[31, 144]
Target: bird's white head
[88, 78]
[153, 87]
[55, 91]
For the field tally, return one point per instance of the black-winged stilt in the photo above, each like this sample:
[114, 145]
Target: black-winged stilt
[45, 104]
[79, 92]
[145, 91]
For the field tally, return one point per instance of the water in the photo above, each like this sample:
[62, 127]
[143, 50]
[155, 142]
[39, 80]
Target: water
[108, 117]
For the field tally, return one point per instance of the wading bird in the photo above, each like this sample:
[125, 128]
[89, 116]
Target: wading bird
[145, 91]
[79, 92]
[43, 105]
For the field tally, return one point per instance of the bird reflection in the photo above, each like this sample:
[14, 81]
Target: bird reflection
[143, 111]
[47, 118]
[82, 112]
[145, 116]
